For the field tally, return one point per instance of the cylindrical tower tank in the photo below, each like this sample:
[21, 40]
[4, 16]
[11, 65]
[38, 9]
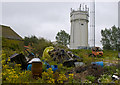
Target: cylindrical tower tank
[79, 28]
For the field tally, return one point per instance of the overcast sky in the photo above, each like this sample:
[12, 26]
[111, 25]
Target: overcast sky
[45, 19]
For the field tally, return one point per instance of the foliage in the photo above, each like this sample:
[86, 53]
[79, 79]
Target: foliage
[105, 78]
[82, 53]
[90, 78]
[111, 38]
[50, 77]
[30, 40]
[63, 38]
[61, 78]
[71, 78]
[13, 73]
[110, 69]
[47, 77]
[12, 44]
[38, 44]
[87, 81]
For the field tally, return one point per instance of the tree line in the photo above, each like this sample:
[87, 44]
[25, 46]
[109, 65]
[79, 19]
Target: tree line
[110, 39]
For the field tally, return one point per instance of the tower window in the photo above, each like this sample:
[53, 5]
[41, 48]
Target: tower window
[82, 24]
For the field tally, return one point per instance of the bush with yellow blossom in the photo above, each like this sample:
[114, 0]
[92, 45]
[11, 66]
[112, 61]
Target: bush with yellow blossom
[14, 74]
[47, 77]
[71, 78]
[50, 77]
[61, 78]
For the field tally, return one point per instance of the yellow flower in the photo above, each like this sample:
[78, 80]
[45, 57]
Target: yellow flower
[3, 61]
[53, 80]
[71, 75]
[8, 59]
[61, 81]
[18, 65]
[7, 78]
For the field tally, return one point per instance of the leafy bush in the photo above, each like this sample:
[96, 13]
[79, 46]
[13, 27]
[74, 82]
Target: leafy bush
[30, 40]
[38, 44]
[105, 78]
[50, 77]
[110, 69]
[12, 44]
[90, 78]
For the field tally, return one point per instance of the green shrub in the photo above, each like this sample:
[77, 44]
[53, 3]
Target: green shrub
[105, 78]
[12, 44]
[110, 69]
[38, 44]
[90, 78]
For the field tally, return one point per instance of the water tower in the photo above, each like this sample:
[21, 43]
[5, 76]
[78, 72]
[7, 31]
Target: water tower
[79, 27]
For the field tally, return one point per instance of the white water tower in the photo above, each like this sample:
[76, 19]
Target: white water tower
[79, 27]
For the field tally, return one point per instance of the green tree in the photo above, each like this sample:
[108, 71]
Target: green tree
[118, 35]
[63, 38]
[111, 38]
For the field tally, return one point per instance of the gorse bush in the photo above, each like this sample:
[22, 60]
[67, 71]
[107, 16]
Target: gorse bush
[49, 77]
[14, 74]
